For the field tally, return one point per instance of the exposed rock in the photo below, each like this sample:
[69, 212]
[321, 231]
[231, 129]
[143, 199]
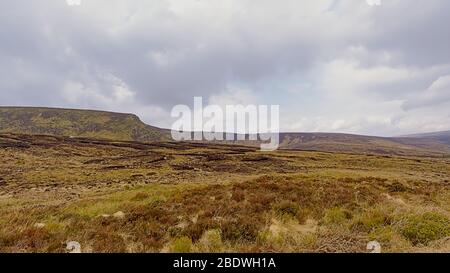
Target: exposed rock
[119, 215]
[39, 225]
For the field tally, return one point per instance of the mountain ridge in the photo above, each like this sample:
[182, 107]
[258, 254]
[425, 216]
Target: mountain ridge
[78, 123]
[128, 127]
[443, 136]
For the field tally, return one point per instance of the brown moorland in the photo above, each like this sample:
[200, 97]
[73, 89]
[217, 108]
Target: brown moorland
[116, 196]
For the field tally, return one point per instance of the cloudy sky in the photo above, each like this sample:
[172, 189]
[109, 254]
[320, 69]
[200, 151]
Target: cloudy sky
[331, 65]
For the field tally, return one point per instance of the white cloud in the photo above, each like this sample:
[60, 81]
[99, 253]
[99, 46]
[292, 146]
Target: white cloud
[234, 96]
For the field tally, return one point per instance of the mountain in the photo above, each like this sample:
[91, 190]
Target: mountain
[334, 142]
[128, 127]
[443, 136]
[77, 123]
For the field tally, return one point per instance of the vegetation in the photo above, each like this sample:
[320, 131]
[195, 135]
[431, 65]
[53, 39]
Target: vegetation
[78, 123]
[422, 229]
[114, 196]
[128, 127]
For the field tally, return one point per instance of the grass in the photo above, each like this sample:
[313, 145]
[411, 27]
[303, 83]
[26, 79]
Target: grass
[336, 216]
[112, 203]
[80, 123]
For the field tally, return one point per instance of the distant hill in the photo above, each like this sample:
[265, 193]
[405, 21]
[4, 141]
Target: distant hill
[77, 123]
[443, 136]
[128, 127]
[363, 144]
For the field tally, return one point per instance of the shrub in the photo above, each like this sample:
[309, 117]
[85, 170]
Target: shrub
[397, 187]
[8, 239]
[383, 234]
[181, 245]
[422, 229]
[240, 229]
[263, 237]
[150, 244]
[39, 240]
[196, 230]
[175, 232]
[105, 242]
[302, 215]
[238, 195]
[211, 241]
[371, 220]
[336, 216]
[287, 208]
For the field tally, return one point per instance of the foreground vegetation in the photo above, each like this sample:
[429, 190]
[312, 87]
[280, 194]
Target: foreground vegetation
[191, 197]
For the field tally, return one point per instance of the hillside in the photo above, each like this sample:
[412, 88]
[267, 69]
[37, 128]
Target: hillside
[77, 123]
[363, 144]
[128, 127]
[167, 196]
[443, 136]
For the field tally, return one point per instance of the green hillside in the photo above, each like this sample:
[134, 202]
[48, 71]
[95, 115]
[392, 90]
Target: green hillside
[77, 123]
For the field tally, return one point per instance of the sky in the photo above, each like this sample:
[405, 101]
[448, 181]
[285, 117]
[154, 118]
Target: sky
[348, 66]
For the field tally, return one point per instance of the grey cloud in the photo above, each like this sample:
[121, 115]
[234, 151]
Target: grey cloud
[415, 32]
[437, 94]
[165, 52]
